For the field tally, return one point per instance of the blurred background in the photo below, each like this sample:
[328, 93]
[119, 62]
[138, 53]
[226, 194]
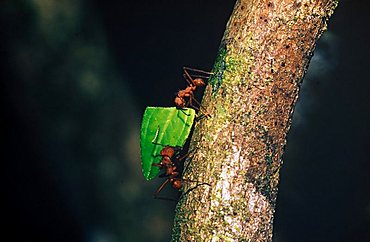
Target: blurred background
[76, 77]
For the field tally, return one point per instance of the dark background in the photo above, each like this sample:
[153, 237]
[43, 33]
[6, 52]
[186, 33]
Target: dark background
[76, 77]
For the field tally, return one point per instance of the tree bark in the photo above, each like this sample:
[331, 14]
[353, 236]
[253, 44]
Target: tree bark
[263, 57]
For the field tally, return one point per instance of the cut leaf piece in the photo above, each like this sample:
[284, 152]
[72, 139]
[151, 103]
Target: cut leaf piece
[162, 126]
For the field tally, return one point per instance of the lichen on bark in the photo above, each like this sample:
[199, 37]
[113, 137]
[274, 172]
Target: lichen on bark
[262, 59]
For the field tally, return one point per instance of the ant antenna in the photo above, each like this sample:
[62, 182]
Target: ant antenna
[197, 70]
[206, 77]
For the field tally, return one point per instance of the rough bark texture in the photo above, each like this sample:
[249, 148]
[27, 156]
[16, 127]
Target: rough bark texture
[263, 57]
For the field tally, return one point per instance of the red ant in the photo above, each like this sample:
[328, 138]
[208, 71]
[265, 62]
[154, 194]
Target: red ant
[188, 92]
[171, 173]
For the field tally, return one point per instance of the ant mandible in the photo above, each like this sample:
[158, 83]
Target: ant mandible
[185, 97]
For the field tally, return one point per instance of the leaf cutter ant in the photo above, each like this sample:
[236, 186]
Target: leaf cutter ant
[184, 98]
[173, 176]
[170, 162]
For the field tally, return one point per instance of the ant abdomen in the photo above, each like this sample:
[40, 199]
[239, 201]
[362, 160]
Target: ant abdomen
[167, 151]
[177, 184]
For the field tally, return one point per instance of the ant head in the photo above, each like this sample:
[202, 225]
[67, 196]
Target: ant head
[167, 151]
[176, 183]
[179, 102]
[199, 82]
[166, 161]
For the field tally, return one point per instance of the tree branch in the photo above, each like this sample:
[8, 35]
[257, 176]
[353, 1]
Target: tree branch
[263, 57]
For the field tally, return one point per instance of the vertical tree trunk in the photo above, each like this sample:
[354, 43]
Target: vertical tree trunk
[263, 57]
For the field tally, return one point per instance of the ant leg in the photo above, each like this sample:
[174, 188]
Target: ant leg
[156, 194]
[160, 188]
[183, 157]
[177, 149]
[161, 166]
[189, 81]
[167, 199]
[191, 99]
[200, 106]
[180, 158]
[200, 117]
[188, 77]
[190, 104]
[197, 70]
[182, 110]
[196, 108]
[195, 100]
[186, 167]
[203, 113]
[195, 187]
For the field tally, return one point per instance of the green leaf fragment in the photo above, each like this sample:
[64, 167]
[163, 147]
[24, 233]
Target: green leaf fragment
[162, 126]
